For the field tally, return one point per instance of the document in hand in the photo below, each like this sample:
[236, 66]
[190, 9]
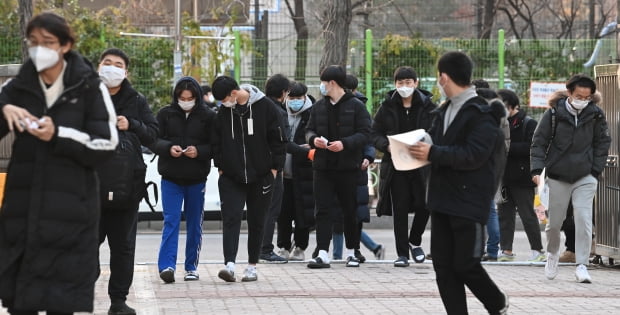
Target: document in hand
[399, 146]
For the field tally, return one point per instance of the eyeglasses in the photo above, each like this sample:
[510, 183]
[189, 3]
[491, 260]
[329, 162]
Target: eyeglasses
[577, 98]
[46, 43]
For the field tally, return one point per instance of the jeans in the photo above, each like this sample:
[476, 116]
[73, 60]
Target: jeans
[337, 240]
[493, 232]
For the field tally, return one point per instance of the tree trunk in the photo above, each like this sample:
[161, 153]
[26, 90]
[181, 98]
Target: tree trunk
[336, 33]
[301, 45]
[25, 14]
[488, 19]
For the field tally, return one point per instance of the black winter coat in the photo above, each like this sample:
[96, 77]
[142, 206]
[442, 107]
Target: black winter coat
[177, 129]
[302, 174]
[517, 173]
[387, 123]
[142, 131]
[49, 221]
[353, 130]
[576, 150]
[249, 158]
[462, 168]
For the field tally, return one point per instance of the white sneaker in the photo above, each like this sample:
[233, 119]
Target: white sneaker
[298, 254]
[249, 274]
[284, 253]
[228, 273]
[551, 267]
[581, 273]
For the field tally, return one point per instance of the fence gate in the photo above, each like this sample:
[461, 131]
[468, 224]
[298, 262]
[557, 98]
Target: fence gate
[607, 202]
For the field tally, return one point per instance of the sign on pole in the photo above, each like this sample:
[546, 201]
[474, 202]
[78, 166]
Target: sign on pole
[541, 91]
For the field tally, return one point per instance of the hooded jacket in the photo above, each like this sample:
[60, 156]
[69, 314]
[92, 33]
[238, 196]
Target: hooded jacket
[248, 155]
[579, 146]
[178, 128]
[462, 165]
[49, 221]
[387, 123]
[353, 130]
[517, 172]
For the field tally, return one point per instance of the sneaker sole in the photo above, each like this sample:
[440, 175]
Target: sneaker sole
[167, 276]
[244, 279]
[226, 276]
[264, 261]
[318, 266]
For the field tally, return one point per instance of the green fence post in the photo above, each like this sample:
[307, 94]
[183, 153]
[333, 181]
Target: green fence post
[500, 59]
[237, 55]
[368, 56]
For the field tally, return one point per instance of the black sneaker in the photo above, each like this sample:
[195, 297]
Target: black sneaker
[167, 275]
[401, 261]
[417, 253]
[359, 256]
[317, 263]
[353, 262]
[272, 258]
[121, 308]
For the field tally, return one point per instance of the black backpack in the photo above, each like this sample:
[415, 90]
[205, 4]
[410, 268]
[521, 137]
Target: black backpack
[121, 178]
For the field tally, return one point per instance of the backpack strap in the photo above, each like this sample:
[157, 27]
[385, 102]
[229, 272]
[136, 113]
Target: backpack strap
[147, 198]
[553, 127]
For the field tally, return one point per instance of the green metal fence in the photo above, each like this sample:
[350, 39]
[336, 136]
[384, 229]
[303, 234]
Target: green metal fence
[372, 60]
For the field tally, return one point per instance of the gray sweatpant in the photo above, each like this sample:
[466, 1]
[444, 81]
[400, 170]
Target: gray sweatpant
[581, 193]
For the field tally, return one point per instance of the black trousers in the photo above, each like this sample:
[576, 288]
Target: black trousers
[457, 245]
[288, 215]
[119, 227]
[234, 196]
[520, 199]
[406, 197]
[272, 214]
[329, 185]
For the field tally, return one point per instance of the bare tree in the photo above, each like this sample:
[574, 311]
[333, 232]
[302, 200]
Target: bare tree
[336, 33]
[301, 45]
[607, 13]
[565, 14]
[488, 17]
[25, 14]
[525, 11]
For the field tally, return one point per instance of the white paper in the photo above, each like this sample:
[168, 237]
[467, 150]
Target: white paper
[543, 190]
[399, 147]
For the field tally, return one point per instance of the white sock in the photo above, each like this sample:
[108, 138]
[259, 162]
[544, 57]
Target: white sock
[350, 253]
[324, 255]
[230, 266]
[250, 267]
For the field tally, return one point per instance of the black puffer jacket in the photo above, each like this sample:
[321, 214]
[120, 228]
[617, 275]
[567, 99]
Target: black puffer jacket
[387, 123]
[462, 165]
[353, 130]
[49, 242]
[517, 172]
[577, 149]
[177, 129]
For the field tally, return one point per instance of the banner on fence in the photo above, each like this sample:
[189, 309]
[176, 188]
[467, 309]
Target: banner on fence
[541, 91]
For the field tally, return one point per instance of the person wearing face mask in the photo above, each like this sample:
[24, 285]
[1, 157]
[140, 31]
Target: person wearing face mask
[184, 149]
[405, 108]
[65, 125]
[571, 142]
[208, 97]
[297, 200]
[119, 216]
[249, 151]
[338, 129]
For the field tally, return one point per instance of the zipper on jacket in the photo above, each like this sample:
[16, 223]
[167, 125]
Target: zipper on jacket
[245, 164]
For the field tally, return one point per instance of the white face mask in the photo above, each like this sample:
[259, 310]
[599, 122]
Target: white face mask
[187, 105]
[578, 104]
[230, 103]
[405, 91]
[441, 90]
[210, 98]
[111, 76]
[43, 57]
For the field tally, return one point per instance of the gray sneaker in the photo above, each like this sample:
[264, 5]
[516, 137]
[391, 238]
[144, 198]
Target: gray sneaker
[297, 254]
[249, 274]
[191, 275]
[167, 275]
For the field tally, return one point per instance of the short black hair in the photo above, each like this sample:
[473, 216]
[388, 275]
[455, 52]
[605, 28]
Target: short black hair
[581, 80]
[205, 89]
[222, 87]
[405, 72]
[458, 66]
[486, 93]
[276, 84]
[480, 83]
[509, 97]
[336, 73]
[54, 24]
[115, 52]
[297, 89]
[351, 82]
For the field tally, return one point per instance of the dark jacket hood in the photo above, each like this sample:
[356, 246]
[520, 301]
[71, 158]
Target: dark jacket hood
[199, 97]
